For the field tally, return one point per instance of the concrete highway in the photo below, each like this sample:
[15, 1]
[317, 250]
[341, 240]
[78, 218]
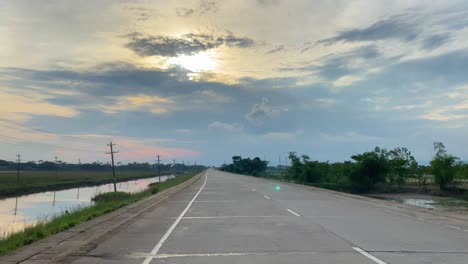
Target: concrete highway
[233, 219]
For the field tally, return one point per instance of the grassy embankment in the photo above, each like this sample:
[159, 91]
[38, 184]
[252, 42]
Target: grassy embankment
[104, 203]
[39, 181]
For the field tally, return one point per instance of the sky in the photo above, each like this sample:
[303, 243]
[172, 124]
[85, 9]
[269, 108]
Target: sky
[205, 80]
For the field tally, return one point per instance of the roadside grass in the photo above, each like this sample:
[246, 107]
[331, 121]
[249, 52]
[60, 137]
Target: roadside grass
[104, 204]
[39, 181]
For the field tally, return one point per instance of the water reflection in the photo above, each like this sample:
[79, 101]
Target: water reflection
[19, 212]
[421, 203]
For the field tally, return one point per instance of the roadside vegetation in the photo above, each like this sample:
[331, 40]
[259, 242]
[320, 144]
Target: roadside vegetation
[48, 176]
[104, 203]
[380, 170]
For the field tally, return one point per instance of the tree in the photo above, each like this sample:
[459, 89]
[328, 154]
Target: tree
[401, 164]
[247, 166]
[295, 170]
[370, 168]
[443, 165]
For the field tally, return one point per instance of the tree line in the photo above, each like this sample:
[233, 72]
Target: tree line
[364, 171]
[42, 165]
[254, 167]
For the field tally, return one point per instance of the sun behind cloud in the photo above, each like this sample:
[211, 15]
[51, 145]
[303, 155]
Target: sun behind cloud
[203, 61]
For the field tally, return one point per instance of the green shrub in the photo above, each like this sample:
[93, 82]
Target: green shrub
[111, 197]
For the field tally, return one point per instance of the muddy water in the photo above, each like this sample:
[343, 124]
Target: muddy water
[427, 201]
[16, 213]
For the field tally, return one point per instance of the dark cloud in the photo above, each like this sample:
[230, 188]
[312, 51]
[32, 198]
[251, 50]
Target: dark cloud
[184, 12]
[335, 66]
[397, 27]
[143, 16]
[188, 44]
[202, 8]
[435, 41]
[277, 49]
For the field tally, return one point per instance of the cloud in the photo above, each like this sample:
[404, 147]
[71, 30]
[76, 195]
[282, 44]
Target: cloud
[214, 97]
[266, 3]
[347, 80]
[399, 27]
[15, 105]
[435, 41]
[225, 126]
[187, 44]
[326, 102]
[202, 8]
[275, 50]
[282, 135]
[346, 68]
[152, 104]
[262, 111]
[350, 136]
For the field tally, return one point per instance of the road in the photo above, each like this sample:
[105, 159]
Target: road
[232, 219]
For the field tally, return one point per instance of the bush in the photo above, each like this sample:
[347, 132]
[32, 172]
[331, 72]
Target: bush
[111, 197]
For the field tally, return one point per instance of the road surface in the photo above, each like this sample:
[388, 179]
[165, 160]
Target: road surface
[232, 219]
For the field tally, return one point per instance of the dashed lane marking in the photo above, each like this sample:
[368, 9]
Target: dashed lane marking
[292, 212]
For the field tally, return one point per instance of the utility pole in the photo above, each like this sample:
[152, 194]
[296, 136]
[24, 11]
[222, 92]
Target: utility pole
[159, 169]
[112, 152]
[18, 156]
[56, 167]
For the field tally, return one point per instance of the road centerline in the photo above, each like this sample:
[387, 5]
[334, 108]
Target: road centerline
[174, 225]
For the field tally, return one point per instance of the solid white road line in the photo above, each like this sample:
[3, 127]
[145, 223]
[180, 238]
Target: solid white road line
[173, 226]
[292, 212]
[253, 190]
[232, 216]
[369, 256]
[457, 228]
[191, 255]
[205, 201]
[266, 197]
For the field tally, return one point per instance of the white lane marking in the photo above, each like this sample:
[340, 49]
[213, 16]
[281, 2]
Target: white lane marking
[205, 201]
[253, 190]
[266, 197]
[173, 226]
[231, 216]
[369, 256]
[292, 212]
[181, 255]
[457, 228]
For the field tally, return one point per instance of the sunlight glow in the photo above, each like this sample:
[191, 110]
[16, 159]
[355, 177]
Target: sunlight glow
[204, 61]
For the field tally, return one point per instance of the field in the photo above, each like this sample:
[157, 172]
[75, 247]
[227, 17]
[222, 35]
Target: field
[105, 203]
[37, 181]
